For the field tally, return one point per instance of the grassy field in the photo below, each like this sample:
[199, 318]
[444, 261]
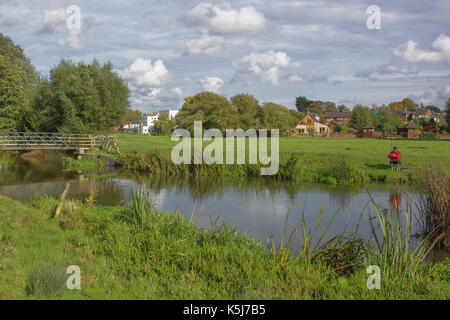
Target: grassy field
[315, 154]
[138, 253]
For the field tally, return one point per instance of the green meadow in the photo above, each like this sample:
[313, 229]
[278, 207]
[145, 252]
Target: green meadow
[314, 159]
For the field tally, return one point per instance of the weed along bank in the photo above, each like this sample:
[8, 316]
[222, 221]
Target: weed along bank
[260, 151]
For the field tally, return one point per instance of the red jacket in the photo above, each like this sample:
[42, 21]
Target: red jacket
[395, 156]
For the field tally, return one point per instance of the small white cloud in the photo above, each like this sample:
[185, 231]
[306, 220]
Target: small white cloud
[269, 66]
[143, 74]
[385, 70]
[221, 18]
[438, 54]
[205, 45]
[212, 84]
[158, 98]
[295, 78]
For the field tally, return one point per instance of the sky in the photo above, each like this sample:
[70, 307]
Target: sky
[167, 50]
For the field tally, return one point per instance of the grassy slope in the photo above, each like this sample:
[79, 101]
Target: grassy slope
[169, 258]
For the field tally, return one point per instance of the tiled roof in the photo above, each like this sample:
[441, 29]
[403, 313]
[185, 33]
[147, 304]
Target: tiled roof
[347, 114]
[411, 125]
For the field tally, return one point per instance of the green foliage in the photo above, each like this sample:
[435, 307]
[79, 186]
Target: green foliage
[387, 122]
[361, 117]
[302, 104]
[48, 280]
[13, 97]
[447, 113]
[17, 57]
[131, 116]
[163, 126]
[342, 171]
[248, 109]
[342, 108]
[275, 116]
[82, 98]
[215, 111]
[409, 104]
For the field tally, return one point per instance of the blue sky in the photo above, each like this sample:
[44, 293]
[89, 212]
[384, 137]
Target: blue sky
[275, 50]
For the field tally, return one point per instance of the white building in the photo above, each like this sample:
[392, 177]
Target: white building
[171, 113]
[148, 122]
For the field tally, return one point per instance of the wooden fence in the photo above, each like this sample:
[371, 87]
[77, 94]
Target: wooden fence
[28, 141]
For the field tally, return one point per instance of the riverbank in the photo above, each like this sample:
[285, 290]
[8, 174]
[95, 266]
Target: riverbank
[136, 252]
[331, 161]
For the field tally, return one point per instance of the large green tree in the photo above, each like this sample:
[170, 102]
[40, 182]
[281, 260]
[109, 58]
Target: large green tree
[248, 109]
[361, 117]
[275, 116]
[163, 126]
[302, 103]
[81, 98]
[214, 110]
[387, 122]
[16, 56]
[409, 104]
[13, 97]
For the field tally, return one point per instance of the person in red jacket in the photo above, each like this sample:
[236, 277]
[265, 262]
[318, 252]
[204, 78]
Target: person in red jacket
[396, 158]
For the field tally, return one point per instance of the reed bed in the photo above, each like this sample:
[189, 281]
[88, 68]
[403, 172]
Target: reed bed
[432, 184]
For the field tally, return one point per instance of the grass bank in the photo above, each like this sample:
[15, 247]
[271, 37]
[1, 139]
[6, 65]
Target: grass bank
[308, 159]
[136, 252]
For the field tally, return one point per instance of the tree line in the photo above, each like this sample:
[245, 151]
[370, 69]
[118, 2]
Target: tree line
[76, 98]
[240, 111]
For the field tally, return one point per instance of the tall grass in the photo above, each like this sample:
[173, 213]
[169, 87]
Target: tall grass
[340, 171]
[394, 251]
[432, 184]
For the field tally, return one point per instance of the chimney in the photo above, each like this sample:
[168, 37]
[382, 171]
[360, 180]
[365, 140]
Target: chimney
[141, 127]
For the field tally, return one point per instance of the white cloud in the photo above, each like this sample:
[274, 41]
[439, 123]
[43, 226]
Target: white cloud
[205, 45]
[269, 66]
[158, 98]
[385, 70]
[438, 54]
[143, 74]
[212, 84]
[221, 18]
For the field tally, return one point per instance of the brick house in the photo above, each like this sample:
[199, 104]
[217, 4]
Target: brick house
[342, 118]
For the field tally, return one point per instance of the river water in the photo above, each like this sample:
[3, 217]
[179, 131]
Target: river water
[258, 207]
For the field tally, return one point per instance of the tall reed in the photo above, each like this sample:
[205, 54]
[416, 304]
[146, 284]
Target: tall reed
[432, 184]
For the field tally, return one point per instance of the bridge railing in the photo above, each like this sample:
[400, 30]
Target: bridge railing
[48, 141]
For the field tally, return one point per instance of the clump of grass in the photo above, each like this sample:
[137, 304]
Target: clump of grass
[342, 171]
[92, 198]
[140, 209]
[86, 163]
[45, 281]
[394, 252]
[432, 183]
[343, 255]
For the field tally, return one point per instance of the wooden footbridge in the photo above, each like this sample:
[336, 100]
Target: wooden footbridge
[29, 141]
